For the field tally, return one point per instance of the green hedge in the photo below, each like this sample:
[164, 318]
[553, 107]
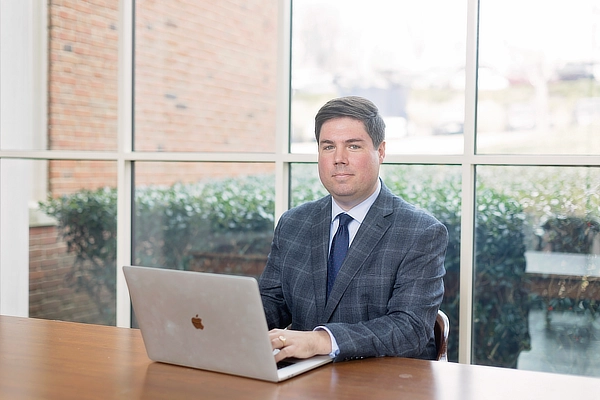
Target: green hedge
[236, 215]
[230, 215]
[87, 221]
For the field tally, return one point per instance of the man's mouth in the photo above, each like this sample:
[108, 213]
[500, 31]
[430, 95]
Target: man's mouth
[342, 175]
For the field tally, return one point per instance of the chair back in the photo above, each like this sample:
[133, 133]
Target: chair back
[441, 331]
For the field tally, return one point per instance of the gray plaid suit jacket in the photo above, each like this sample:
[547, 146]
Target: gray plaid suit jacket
[386, 296]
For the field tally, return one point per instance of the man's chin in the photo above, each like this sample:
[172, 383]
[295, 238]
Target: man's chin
[342, 183]
[340, 188]
[342, 195]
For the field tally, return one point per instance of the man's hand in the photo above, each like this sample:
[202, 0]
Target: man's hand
[299, 344]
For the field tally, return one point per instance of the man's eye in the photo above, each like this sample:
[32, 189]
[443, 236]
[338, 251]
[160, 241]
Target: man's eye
[327, 147]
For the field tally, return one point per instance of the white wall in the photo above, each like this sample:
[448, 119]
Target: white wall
[16, 133]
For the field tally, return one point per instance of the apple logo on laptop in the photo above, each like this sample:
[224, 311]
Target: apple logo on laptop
[197, 322]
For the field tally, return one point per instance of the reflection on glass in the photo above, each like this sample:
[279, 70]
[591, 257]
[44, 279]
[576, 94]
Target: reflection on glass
[72, 240]
[537, 285]
[434, 188]
[205, 75]
[82, 75]
[539, 87]
[214, 218]
[405, 58]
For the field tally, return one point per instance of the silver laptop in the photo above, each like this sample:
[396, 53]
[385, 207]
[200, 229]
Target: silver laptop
[208, 321]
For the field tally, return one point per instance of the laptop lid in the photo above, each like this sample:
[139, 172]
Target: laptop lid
[208, 321]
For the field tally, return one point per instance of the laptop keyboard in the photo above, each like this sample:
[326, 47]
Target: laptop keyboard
[284, 363]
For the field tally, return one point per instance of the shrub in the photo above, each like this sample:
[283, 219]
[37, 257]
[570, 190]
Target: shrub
[88, 224]
[226, 216]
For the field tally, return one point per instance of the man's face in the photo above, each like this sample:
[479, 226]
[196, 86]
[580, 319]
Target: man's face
[348, 161]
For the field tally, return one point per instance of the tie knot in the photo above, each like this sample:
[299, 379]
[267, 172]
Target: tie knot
[344, 219]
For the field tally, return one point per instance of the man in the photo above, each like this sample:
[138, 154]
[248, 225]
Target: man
[384, 298]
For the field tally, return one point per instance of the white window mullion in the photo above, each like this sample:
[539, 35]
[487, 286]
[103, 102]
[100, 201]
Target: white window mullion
[282, 126]
[124, 175]
[468, 189]
[17, 48]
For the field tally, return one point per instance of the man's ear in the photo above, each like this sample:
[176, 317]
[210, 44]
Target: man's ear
[381, 151]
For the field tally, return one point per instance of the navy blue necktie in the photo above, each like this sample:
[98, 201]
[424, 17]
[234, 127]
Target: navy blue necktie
[339, 248]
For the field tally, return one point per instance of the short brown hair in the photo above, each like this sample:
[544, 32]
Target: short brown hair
[354, 107]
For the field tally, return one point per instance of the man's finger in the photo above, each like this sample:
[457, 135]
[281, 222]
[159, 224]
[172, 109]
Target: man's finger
[283, 353]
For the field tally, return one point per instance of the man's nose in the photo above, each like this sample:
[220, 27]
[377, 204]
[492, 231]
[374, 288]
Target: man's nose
[340, 156]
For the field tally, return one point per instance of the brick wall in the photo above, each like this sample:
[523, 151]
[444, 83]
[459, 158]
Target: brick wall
[205, 75]
[82, 74]
[205, 80]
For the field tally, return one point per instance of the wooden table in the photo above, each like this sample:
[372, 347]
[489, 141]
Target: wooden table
[42, 359]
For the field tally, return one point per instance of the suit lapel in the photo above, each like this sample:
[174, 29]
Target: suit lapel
[319, 250]
[372, 229]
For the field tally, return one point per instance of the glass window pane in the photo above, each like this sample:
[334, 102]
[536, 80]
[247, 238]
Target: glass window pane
[205, 75]
[434, 188]
[537, 284]
[216, 217]
[82, 76]
[406, 59]
[72, 240]
[539, 86]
